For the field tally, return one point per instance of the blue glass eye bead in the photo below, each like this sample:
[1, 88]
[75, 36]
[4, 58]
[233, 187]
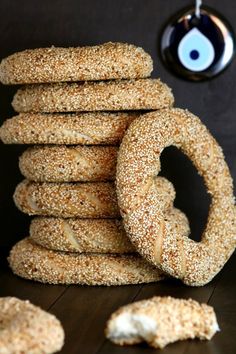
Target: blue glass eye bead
[197, 48]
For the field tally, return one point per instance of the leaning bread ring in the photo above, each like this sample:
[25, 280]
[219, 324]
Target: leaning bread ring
[196, 263]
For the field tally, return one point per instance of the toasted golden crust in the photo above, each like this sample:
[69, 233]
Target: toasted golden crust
[160, 321]
[144, 211]
[79, 128]
[25, 328]
[81, 235]
[91, 235]
[101, 62]
[118, 95]
[34, 262]
[83, 200]
[69, 164]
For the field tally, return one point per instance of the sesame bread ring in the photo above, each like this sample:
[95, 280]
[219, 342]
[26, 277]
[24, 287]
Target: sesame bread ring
[160, 321]
[196, 263]
[119, 95]
[26, 328]
[78, 128]
[34, 262]
[83, 200]
[69, 164]
[91, 235]
[80, 235]
[101, 62]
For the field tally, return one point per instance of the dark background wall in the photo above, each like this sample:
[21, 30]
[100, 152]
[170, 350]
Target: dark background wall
[31, 24]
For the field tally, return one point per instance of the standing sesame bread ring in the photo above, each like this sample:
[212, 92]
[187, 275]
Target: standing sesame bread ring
[69, 163]
[116, 95]
[25, 328]
[55, 64]
[31, 261]
[144, 212]
[92, 235]
[79, 128]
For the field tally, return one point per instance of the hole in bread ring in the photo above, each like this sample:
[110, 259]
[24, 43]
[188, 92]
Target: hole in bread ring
[196, 263]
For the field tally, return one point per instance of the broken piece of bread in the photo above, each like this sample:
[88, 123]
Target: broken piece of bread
[160, 321]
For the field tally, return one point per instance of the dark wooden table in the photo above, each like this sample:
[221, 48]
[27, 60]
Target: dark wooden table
[84, 310]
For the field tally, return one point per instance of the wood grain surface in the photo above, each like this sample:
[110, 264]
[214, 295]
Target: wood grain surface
[84, 311]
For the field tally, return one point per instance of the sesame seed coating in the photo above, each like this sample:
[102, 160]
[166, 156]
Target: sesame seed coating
[143, 210]
[25, 328]
[91, 235]
[69, 163]
[167, 320]
[116, 95]
[55, 64]
[84, 200]
[80, 235]
[79, 128]
[34, 262]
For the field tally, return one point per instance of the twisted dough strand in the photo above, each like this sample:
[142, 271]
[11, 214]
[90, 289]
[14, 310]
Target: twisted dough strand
[55, 64]
[76, 128]
[31, 261]
[69, 163]
[84, 200]
[114, 95]
[92, 235]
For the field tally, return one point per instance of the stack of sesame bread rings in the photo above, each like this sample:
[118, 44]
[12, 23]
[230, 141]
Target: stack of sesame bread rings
[73, 108]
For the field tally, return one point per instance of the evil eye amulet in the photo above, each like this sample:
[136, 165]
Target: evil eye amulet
[197, 48]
